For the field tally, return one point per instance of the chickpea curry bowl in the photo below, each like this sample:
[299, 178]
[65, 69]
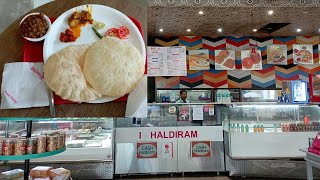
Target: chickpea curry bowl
[35, 26]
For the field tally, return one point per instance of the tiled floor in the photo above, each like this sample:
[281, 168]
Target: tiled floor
[191, 176]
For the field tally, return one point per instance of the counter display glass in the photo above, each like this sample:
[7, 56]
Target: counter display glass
[169, 139]
[269, 131]
[173, 95]
[88, 140]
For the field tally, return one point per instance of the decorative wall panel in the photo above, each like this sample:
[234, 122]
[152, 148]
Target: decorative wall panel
[270, 77]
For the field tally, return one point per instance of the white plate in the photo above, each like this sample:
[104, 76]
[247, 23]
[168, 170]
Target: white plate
[111, 17]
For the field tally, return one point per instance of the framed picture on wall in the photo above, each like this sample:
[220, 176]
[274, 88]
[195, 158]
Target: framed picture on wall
[277, 54]
[251, 59]
[225, 59]
[302, 54]
[199, 59]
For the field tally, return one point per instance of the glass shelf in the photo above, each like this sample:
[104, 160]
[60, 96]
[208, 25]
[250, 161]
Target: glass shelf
[31, 156]
[54, 119]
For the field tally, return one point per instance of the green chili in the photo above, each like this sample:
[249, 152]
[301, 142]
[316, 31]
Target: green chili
[97, 33]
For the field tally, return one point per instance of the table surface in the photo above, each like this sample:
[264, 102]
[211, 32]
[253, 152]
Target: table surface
[11, 45]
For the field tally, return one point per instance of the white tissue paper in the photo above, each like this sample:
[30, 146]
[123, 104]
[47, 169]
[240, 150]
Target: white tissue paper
[23, 86]
[137, 100]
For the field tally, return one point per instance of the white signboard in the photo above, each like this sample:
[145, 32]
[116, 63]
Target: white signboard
[167, 61]
[165, 134]
[211, 111]
[197, 112]
[167, 150]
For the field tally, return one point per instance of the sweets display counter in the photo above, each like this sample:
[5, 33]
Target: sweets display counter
[174, 138]
[89, 145]
[264, 139]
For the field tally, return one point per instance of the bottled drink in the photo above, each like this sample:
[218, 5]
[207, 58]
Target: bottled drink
[254, 128]
[282, 127]
[262, 128]
[258, 128]
[275, 127]
[219, 96]
[238, 128]
[242, 128]
[247, 128]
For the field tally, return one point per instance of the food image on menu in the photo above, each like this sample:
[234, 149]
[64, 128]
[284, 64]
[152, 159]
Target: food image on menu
[302, 54]
[277, 54]
[251, 59]
[199, 60]
[225, 60]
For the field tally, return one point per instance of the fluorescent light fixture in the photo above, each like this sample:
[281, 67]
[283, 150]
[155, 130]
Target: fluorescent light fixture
[270, 12]
[298, 30]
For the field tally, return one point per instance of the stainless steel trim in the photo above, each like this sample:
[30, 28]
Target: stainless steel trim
[51, 104]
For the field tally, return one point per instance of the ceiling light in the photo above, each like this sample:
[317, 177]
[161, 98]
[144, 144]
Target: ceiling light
[270, 12]
[188, 30]
[254, 30]
[161, 30]
[219, 30]
[299, 30]
[319, 30]
[201, 12]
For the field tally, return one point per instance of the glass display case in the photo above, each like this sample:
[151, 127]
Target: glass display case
[231, 95]
[250, 95]
[194, 95]
[87, 141]
[162, 143]
[263, 131]
[183, 115]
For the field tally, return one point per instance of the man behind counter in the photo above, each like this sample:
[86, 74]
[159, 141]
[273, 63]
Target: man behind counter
[183, 97]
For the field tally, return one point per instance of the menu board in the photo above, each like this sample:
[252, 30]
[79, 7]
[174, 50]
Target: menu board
[251, 59]
[277, 54]
[302, 54]
[225, 59]
[167, 61]
[199, 59]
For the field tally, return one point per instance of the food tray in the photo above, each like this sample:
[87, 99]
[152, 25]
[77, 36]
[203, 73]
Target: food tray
[33, 52]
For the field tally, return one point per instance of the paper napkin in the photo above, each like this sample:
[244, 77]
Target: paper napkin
[23, 86]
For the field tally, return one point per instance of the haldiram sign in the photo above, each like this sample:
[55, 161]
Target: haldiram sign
[200, 149]
[170, 134]
[147, 150]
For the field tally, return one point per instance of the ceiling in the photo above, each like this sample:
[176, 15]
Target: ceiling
[235, 17]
